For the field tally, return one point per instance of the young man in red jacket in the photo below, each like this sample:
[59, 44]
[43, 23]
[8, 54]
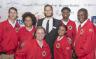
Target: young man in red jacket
[71, 26]
[8, 32]
[85, 37]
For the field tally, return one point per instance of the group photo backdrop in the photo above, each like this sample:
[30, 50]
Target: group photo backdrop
[37, 8]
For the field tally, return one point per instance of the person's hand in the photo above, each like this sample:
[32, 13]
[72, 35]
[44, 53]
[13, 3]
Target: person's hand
[21, 45]
[69, 40]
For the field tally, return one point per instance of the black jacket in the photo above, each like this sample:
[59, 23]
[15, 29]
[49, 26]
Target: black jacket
[50, 37]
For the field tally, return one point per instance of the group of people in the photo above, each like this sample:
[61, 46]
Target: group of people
[47, 38]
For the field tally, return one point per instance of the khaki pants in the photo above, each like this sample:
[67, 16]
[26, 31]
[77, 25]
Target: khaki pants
[5, 56]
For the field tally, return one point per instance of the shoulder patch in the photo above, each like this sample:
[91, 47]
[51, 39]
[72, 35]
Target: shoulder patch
[70, 27]
[90, 30]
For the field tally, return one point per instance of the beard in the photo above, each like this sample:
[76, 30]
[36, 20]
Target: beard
[48, 15]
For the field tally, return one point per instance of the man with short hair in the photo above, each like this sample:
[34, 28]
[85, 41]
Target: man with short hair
[85, 38]
[71, 26]
[8, 32]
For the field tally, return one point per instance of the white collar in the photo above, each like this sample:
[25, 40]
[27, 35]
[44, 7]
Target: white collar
[50, 23]
[29, 29]
[64, 22]
[59, 38]
[50, 19]
[13, 24]
[82, 24]
[40, 43]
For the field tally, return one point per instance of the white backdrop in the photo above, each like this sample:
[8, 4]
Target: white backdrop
[36, 7]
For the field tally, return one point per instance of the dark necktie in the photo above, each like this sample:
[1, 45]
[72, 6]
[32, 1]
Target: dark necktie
[47, 27]
[80, 26]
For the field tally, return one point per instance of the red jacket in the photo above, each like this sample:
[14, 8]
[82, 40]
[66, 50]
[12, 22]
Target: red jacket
[85, 41]
[95, 39]
[8, 35]
[23, 36]
[62, 49]
[71, 29]
[33, 51]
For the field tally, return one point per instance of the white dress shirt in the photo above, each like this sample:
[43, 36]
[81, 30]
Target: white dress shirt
[44, 23]
[65, 22]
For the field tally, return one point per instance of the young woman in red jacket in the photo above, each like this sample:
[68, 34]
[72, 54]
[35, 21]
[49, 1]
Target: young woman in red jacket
[62, 48]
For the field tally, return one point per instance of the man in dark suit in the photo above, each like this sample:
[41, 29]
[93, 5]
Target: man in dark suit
[51, 26]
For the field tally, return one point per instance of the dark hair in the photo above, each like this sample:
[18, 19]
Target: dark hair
[32, 16]
[84, 10]
[65, 8]
[48, 5]
[12, 8]
[63, 26]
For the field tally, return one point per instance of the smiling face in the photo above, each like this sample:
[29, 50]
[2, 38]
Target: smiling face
[65, 14]
[48, 11]
[40, 34]
[82, 15]
[12, 14]
[28, 22]
[61, 31]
